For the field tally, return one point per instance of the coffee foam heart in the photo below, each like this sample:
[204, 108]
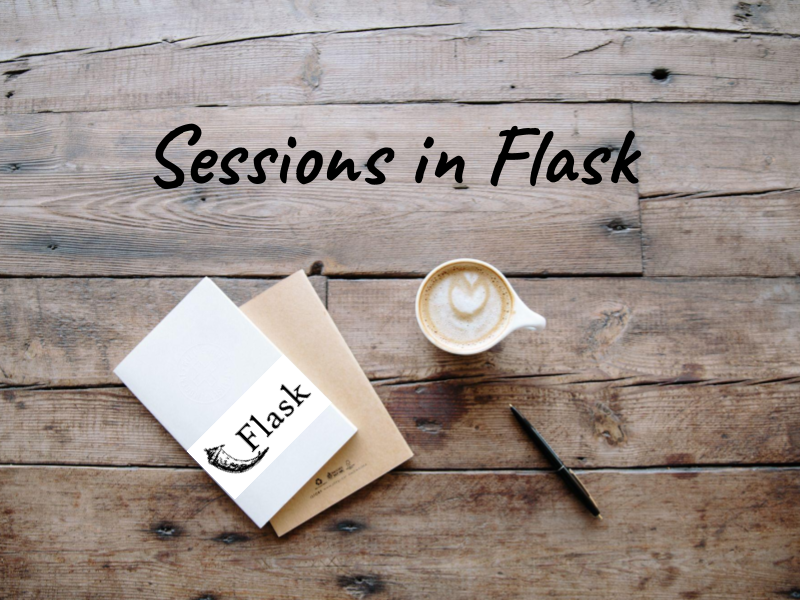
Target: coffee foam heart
[464, 305]
[468, 297]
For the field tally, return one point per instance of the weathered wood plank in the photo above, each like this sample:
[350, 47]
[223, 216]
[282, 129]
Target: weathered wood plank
[745, 235]
[455, 425]
[125, 142]
[42, 344]
[79, 196]
[663, 330]
[462, 424]
[91, 226]
[643, 329]
[412, 65]
[84, 427]
[111, 533]
[717, 149]
[105, 25]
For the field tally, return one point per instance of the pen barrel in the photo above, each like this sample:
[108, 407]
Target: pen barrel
[575, 485]
[572, 481]
[538, 440]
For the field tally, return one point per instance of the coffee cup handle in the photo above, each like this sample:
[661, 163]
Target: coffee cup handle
[525, 318]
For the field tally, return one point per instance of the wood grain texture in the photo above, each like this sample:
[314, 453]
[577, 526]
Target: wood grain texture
[467, 424]
[718, 149]
[631, 374]
[158, 533]
[42, 344]
[455, 425]
[84, 427]
[734, 235]
[79, 195]
[448, 63]
[639, 330]
[631, 329]
[106, 25]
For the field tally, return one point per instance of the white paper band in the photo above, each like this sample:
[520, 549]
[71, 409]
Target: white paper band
[258, 427]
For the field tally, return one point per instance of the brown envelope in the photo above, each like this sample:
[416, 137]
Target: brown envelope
[293, 317]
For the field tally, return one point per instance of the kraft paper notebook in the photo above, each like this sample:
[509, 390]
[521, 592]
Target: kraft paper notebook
[249, 416]
[294, 318]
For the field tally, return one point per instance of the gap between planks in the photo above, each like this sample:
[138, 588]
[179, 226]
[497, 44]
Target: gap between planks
[389, 104]
[332, 32]
[547, 379]
[658, 469]
[318, 70]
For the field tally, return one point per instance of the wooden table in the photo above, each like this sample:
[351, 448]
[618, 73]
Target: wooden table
[668, 375]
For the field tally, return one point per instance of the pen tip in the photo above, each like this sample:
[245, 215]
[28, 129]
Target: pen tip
[600, 517]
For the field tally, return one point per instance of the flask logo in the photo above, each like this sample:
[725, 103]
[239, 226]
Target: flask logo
[219, 458]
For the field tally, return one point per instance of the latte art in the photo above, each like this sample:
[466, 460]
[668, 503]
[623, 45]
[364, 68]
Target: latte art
[465, 305]
[468, 295]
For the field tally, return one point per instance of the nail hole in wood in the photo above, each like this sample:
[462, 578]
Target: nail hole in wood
[361, 586]
[661, 75]
[231, 538]
[616, 225]
[166, 530]
[428, 426]
[349, 526]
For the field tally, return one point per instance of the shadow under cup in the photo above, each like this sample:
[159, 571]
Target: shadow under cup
[465, 306]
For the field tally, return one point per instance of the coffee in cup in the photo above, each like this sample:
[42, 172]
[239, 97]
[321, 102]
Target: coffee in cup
[466, 306]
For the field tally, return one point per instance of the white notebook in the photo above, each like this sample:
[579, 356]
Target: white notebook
[242, 410]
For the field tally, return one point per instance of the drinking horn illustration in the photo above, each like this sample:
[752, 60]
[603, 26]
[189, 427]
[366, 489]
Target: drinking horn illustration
[217, 457]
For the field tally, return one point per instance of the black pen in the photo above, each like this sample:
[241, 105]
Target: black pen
[572, 481]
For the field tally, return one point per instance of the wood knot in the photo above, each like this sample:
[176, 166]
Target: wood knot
[608, 424]
[349, 526]
[361, 586]
[231, 538]
[752, 12]
[166, 530]
[607, 328]
[617, 225]
[317, 268]
[428, 426]
[312, 69]
[661, 75]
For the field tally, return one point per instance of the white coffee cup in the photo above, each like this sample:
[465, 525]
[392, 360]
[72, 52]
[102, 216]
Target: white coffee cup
[466, 306]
